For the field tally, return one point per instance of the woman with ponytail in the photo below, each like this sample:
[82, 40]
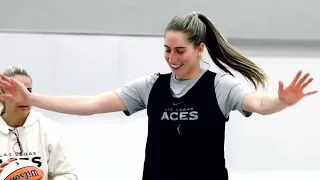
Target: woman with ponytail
[187, 108]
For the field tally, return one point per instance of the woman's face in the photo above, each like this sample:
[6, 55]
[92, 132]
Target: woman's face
[19, 108]
[181, 55]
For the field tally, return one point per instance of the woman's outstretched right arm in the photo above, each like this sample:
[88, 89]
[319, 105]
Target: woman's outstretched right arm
[79, 105]
[131, 98]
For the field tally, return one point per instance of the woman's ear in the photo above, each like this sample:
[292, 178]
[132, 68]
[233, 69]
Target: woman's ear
[201, 49]
[2, 107]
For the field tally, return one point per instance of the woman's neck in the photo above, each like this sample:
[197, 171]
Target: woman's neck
[190, 75]
[13, 120]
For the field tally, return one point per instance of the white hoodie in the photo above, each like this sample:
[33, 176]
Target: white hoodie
[42, 143]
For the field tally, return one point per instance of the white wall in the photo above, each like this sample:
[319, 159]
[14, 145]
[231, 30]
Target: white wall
[112, 145]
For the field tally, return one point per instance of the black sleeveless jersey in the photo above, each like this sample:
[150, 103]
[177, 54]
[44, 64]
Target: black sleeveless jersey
[185, 135]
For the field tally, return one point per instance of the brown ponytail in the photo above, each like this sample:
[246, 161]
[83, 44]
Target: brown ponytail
[220, 49]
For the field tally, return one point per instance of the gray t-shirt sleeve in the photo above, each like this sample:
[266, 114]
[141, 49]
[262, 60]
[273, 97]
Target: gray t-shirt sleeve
[135, 94]
[230, 92]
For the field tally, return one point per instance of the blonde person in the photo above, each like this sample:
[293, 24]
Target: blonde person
[187, 108]
[27, 134]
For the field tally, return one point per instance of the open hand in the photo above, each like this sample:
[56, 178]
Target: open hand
[294, 92]
[13, 90]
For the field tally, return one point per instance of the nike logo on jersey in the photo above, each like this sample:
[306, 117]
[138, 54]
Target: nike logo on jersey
[177, 103]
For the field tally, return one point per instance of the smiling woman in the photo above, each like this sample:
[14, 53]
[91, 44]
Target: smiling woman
[188, 107]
